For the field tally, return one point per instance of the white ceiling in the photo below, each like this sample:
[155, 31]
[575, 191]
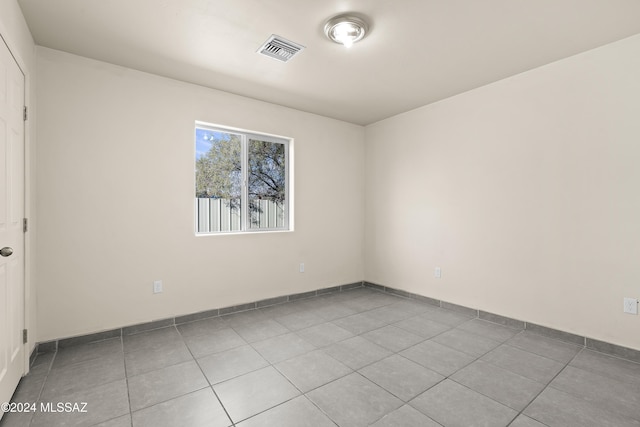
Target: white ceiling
[417, 51]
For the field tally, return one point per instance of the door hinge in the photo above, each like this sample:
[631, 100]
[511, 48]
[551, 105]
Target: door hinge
[25, 335]
[25, 225]
[24, 113]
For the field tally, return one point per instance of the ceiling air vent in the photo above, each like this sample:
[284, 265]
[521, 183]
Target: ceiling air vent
[280, 48]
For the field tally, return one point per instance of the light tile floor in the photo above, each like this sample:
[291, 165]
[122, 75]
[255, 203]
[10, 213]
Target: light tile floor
[350, 359]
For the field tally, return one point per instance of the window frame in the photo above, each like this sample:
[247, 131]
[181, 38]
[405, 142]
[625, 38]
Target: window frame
[245, 218]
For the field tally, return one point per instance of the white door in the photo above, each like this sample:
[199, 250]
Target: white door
[11, 223]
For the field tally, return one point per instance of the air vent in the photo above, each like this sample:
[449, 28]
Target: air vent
[279, 48]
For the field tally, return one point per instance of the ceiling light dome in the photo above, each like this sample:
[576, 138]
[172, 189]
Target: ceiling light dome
[345, 29]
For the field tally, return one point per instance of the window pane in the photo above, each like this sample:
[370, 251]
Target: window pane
[218, 181]
[267, 180]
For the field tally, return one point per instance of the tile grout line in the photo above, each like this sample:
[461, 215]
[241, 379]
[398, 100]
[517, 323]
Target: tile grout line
[449, 377]
[273, 365]
[46, 376]
[398, 397]
[304, 394]
[50, 369]
[163, 367]
[206, 379]
[320, 409]
[547, 386]
[250, 344]
[576, 396]
[327, 383]
[126, 378]
[357, 371]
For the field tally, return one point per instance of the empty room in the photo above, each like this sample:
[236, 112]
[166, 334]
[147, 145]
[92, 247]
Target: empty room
[304, 213]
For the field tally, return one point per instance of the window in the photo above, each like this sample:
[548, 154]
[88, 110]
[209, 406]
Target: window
[242, 181]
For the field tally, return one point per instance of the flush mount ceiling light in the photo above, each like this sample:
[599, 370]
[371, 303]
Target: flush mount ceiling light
[345, 29]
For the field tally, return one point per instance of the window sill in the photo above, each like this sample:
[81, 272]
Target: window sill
[242, 233]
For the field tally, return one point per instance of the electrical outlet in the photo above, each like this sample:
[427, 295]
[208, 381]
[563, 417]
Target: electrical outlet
[437, 273]
[630, 305]
[302, 267]
[157, 286]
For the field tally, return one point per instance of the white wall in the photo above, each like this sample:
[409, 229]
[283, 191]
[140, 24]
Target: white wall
[16, 35]
[116, 186]
[525, 192]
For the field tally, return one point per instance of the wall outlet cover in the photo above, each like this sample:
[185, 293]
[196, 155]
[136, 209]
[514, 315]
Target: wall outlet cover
[630, 306]
[157, 286]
